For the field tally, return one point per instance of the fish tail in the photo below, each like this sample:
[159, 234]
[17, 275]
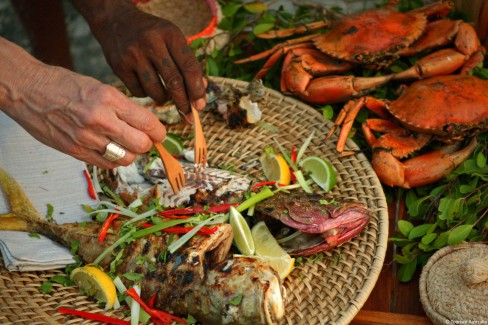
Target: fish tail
[22, 210]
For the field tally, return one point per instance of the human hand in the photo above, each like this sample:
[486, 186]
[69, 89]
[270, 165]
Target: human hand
[75, 114]
[141, 48]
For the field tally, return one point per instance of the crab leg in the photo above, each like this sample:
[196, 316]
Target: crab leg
[303, 64]
[281, 33]
[346, 117]
[336, 89]
[278, 47]
[421, 170]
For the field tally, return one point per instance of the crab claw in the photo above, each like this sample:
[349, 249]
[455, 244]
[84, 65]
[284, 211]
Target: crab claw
[323, 224]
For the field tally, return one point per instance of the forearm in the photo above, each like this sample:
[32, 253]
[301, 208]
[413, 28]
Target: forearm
[96, 12]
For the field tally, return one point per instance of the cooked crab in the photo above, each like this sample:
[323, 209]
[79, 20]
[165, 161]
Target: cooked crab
[448, 108]
[373, 39]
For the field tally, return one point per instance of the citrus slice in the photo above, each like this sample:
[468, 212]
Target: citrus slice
[93, 282]
[173, 144]
[265, 243]
[282, 265]
[275, 168]
[242, 233]
[321, 171]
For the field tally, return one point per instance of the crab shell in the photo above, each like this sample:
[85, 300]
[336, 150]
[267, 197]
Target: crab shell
[448, 106]
[372, 37]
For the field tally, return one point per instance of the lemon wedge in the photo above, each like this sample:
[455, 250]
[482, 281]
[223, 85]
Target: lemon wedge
[282, 265]
[242, 233]
[94, 282]
[275, 168]
[321, 171]
[265, 243]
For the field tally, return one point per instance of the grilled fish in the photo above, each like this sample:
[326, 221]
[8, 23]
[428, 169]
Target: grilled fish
[146, 179]
[198, 279]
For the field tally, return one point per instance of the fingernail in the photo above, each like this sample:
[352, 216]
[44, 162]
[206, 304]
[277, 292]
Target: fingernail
[200, 104]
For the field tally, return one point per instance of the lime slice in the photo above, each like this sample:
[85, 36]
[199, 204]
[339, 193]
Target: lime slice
[173, 144]
[265, 243]
[321, 171]
[242, 233]
[94, 282]
[275, 168]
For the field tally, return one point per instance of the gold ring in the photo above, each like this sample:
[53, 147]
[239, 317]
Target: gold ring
[114, 151]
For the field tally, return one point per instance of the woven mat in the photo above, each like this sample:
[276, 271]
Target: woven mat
[331, 290]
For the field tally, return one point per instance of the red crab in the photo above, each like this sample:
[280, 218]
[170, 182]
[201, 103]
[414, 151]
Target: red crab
[447, 108]
[373, 39]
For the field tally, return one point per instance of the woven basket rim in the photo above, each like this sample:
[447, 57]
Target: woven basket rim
[320, 293]
[425, 299]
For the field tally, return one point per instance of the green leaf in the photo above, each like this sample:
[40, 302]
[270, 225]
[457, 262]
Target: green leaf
[481, 160]
[133, 276]
[212, 67]
[419, 231]
[46, 287]
[459, 234]
[406, 271]
[236, 300]
[441, 240]
[259, 29]
[400, 259]
[34, 235]
[231, 9]
[256, 7]
[428, 238]
[405, 227]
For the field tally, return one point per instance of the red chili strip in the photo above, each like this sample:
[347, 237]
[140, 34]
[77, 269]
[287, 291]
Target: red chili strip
[146, 225]
[106, 225]
[93, 316]
[151, 301]
[91, 188]
[193, 210]
[293, 154]
[184, 230]
[205, 32]
[157, 316]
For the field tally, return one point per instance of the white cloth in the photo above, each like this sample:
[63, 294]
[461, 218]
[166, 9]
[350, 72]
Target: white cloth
[48, 177]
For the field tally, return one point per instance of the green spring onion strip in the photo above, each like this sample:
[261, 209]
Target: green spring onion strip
[219, 218]
[96, 181]
[253, 200]
[174, 246]
[304, 146]
[144, 215]
[288, 238]
[113, 246]
[161, 226]
[303, 183]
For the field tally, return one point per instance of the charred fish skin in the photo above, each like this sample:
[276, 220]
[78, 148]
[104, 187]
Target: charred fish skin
[322, 226]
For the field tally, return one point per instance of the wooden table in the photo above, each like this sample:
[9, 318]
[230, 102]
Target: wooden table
[391, 301]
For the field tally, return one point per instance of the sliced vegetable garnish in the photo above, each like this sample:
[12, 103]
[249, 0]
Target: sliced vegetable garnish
[156, 315]
[93, 316]
[135, 309]
[91, 188]
[304, 147]
[253, 200]
[143, 315]
[161, 226]
[173, 247]
[194, 210]
[184, 230]
[113, 246]
[106, 225]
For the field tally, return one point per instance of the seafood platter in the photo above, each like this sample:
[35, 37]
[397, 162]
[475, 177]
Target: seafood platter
[329, 285]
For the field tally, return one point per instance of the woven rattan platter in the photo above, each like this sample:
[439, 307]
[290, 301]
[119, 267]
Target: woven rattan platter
[331, 290]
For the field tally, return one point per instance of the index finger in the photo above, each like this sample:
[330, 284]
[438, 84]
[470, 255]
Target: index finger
[183, 76]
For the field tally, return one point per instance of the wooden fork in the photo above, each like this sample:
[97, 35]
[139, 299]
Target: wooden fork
[174, 171]
[200, 143]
